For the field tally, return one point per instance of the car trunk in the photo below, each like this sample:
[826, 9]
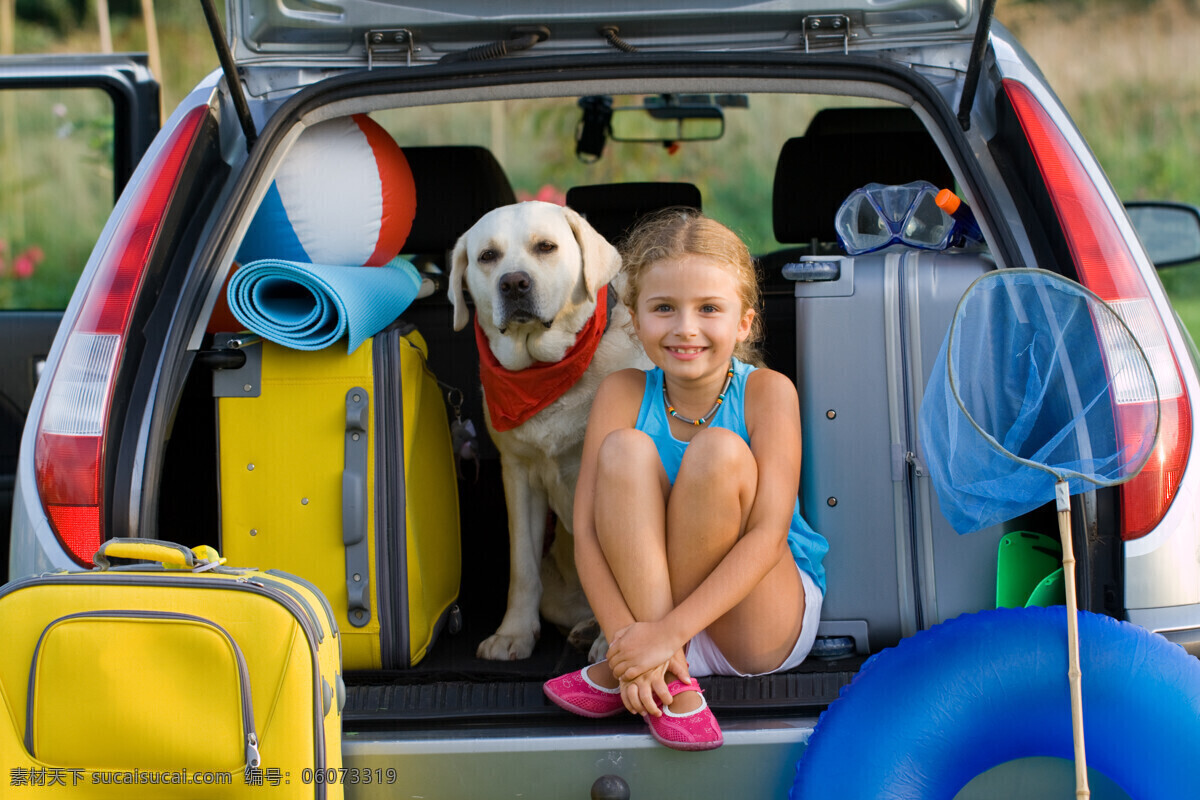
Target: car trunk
[873, 602]
[451, 686]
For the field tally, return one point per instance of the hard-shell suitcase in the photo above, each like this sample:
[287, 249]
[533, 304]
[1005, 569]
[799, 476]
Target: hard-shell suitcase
[339, 468]
[180, 678]
[864, 485]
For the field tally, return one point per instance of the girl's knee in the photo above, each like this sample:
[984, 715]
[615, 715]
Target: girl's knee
[717, 451]
[624, 451]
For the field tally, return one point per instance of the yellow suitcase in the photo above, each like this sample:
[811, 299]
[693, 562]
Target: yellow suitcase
[176, 679]
[339, 468]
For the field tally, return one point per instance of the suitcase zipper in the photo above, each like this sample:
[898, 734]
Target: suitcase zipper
[382, 368]
[299, 598]
[308, 623]
[391, 533]
[906, 395]
[249, 734]
[312, 587]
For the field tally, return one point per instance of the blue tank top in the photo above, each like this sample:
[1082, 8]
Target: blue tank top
[808, 547]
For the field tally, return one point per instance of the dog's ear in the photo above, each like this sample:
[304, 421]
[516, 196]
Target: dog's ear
[601, 261]
[458, 272]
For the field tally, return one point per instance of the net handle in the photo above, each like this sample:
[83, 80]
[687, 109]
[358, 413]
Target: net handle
[1062, 495]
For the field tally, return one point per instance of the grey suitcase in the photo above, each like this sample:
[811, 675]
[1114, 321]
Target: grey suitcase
[895, 565]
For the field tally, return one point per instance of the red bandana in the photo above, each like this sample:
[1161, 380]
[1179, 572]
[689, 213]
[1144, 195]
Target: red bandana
[513, 397]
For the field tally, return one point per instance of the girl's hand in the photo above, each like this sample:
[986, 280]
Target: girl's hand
[678, 667]
[645, 693]
[638, 648]
[648, 692]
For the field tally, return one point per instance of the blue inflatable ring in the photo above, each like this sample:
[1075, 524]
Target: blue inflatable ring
[922, 719]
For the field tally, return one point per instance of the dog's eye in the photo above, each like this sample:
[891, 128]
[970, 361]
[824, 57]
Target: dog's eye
[488, 255]
[546, 247]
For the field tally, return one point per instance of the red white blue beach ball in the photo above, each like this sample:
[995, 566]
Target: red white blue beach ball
[344, 196]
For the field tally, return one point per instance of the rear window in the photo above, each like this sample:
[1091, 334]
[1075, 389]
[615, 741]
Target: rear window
[534, 141]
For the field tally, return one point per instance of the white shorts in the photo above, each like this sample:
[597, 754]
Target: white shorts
[705, 658]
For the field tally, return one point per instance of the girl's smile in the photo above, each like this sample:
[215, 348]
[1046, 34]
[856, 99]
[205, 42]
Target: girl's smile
[689, 317]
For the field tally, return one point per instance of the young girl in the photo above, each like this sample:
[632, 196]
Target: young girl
[688, 534]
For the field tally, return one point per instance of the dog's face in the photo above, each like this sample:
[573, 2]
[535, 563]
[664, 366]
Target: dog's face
[533, 270]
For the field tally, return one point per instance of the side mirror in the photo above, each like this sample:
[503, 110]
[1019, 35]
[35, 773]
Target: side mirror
[1170, 231]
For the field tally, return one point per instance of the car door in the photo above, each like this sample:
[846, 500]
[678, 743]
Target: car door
[72, 128]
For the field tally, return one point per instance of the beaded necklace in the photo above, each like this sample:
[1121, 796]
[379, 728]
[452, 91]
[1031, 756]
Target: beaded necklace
[699, 420]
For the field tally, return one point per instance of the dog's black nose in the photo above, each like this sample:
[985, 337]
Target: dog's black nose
[515, 284]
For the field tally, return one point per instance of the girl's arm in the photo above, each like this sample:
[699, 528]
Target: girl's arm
[615, 407]
[773, 422]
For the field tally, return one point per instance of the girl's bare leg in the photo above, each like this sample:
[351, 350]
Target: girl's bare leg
[631, 489]
[706, 515]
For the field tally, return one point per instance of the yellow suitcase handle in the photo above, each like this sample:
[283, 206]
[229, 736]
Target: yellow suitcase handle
[168, 554]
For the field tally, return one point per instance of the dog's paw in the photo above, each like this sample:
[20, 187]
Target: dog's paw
[584, 634]
[502, 647]
[599, 649]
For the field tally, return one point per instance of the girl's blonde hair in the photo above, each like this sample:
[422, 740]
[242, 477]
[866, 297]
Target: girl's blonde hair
[677, 232]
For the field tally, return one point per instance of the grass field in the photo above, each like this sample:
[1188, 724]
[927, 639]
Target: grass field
[1127, 70]
[1130, 76]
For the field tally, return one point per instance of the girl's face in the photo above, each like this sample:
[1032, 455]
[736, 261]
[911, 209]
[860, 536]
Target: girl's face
[689, 315]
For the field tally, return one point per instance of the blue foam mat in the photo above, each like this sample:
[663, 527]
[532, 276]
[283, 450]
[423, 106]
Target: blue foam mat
[312, 306]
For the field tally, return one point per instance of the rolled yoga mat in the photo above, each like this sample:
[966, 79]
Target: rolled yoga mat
[311, 306]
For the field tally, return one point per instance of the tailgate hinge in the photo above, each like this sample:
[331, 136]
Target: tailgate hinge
[389, 41]
[820, 28]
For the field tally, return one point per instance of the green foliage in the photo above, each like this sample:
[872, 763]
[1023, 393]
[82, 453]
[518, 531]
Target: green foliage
[1183, 287]
[58, 15]
[56, 191]
[1145, 136]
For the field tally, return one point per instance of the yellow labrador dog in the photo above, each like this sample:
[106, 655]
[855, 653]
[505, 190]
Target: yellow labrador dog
[548, 332]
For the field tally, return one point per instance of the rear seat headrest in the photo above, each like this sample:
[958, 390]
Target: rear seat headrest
[613, 208]
[844, 149]
[456, 185]
[883, 119]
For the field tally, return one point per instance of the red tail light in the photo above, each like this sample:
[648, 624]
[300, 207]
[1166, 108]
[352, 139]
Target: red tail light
[1106, 266]
[69, 451]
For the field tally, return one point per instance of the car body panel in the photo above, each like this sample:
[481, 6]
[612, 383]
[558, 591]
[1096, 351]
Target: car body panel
[339, 31]
[757, 760]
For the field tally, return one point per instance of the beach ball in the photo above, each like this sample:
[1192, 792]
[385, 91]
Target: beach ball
[344, 196]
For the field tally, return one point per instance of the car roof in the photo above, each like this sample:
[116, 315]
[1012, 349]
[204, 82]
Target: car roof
[358, 32]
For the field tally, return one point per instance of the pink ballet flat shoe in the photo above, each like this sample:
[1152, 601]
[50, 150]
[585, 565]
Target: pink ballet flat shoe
[577, 693]
[693, 730]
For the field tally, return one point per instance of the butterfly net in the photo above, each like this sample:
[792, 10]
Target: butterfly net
[1037, 381]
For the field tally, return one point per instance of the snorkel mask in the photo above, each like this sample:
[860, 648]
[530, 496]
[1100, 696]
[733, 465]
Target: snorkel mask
[877, 216]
